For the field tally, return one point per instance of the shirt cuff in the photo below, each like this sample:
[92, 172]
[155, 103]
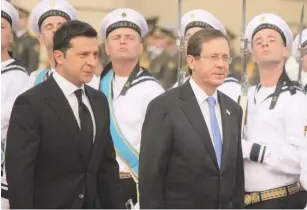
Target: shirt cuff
[253, 151]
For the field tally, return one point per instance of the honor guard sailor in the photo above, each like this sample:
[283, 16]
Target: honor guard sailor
[129, 89]
[276, 119]
[304, 57]
[14, 80]
[46, 17]
[196, 20]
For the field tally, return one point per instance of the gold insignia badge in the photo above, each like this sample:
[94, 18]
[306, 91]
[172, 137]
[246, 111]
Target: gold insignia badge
[262, 19]
[52, 4]
[274, 99]
[20, 49]
[193, 16]
[157, 32]
[171, 65]
[305, 131]
[127, 85]
[124, 14]
[36, 47]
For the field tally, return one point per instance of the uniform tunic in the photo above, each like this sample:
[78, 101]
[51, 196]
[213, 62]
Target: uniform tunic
[279, 134]
[130, 109]
[14, 80]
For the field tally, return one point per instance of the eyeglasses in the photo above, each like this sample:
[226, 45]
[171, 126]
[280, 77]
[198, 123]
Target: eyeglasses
[216, 58]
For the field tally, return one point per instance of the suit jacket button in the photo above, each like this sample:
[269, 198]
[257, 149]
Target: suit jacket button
[81, 196]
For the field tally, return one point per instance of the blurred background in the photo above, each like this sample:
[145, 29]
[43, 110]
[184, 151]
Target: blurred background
[162, 17]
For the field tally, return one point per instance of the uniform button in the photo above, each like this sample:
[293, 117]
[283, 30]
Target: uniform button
[87, 174]
[81, 196]
[221, 177]
[220, 206]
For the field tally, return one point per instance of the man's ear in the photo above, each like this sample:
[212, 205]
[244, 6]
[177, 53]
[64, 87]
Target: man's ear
[59, 57]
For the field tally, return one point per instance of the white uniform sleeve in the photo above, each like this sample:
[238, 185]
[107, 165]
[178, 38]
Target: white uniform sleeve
[231, 89]
[285, 158]
[303, 149]
[154, 89]
[32, 79]
[17, 84]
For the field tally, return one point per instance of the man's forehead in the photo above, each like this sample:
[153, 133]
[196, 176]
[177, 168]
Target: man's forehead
[4, 21]
[124, 31]
[266, 33]
[79, 41]
[192, 31]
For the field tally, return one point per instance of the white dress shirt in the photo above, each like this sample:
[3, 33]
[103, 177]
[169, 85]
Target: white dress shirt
[129, 110]
[69, 91]
[201, 98]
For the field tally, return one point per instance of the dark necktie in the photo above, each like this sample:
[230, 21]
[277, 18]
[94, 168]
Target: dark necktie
[86, 123]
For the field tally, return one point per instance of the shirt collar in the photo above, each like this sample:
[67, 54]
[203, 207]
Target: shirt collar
[5, 63]
[67, 87]
[200, 95]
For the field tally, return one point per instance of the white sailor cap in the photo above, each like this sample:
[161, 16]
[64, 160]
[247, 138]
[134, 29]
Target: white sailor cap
[9, 13]
[123, 18]
[296, 40]
[200, 18]
[47, 8]
[270, 21]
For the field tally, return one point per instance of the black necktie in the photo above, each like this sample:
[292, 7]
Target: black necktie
[86, 123]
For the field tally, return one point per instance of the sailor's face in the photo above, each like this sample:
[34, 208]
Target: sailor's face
[188, 35]
[6, 34]
[212, 66]
[268, 47]
[124, 44]
[48, 28]
[80, 61]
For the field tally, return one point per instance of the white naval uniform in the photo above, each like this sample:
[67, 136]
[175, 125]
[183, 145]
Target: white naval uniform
[231, 87]
[130, 109]
[34, 75]
[14, 80]
[280, 134]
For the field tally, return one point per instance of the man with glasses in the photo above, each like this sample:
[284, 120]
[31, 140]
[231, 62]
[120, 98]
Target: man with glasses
[191, 155]
[196, 20]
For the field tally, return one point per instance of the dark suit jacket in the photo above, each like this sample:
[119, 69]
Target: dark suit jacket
[47, 165]
[178, 166]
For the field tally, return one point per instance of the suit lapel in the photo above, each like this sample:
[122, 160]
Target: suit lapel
[64, 112]
[226, 120]
[192, 110]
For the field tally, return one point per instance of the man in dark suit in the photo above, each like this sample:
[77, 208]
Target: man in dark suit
[59, 150]
[191, 154]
